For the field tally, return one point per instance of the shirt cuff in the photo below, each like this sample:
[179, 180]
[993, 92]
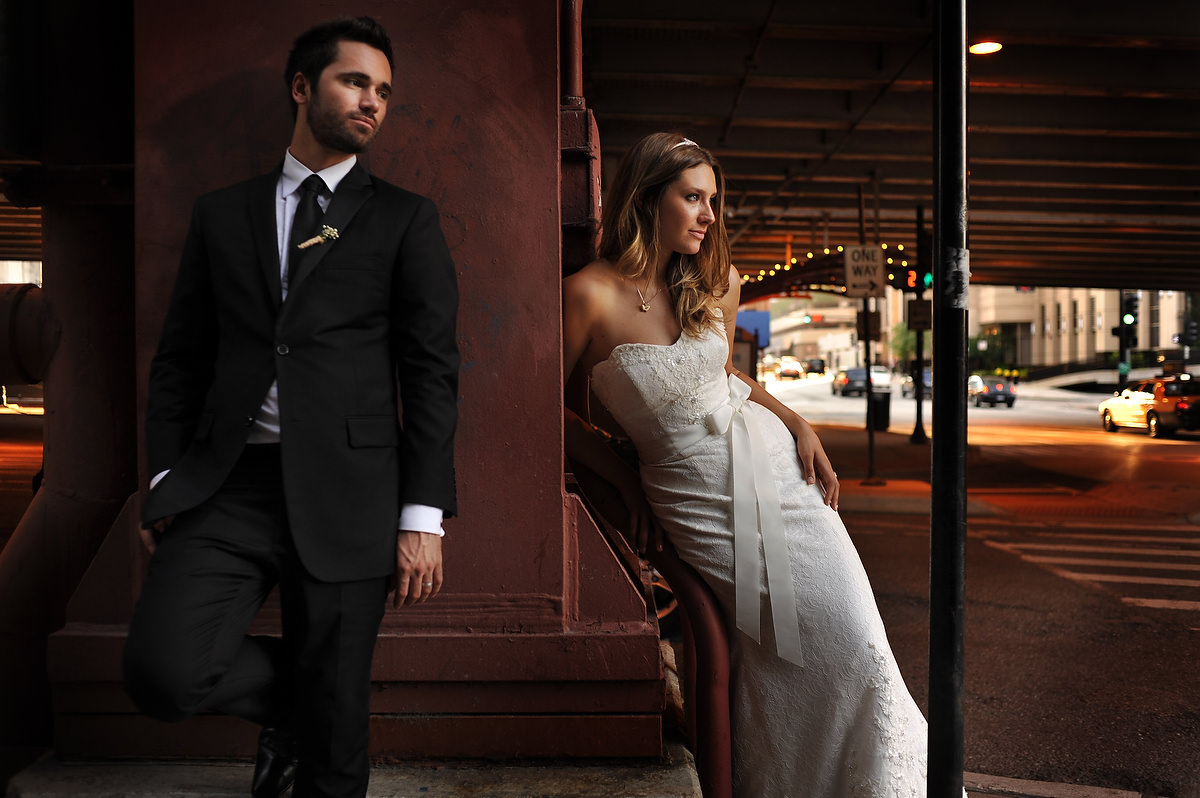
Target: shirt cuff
[157, 478]
[421, 518]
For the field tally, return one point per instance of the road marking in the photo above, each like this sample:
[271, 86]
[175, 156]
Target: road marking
[1153, 566]
[1103, 549]
[1161, 604]
[1136, 580]
[1195, 541]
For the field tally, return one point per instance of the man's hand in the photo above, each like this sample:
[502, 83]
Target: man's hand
[418, 567]
[150, 535]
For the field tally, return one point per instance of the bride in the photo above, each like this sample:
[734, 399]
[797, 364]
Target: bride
[741, 486]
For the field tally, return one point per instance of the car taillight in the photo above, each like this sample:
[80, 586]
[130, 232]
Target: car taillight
[1182, 404]
[999, 386]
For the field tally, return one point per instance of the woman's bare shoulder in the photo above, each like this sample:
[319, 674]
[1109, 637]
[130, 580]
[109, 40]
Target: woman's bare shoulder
[728, 303]
[596, 282]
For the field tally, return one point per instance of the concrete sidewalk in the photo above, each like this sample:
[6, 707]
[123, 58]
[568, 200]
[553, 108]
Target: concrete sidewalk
[675, 778]
[903, 475]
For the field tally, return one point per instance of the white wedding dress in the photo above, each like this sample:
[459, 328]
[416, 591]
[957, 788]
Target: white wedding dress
[834, 719]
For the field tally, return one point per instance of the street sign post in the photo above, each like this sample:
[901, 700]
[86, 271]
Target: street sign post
[920, 314]
[864, 271]
[868, 325]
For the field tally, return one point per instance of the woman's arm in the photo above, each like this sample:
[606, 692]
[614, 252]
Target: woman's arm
[581, 307]
[814, 463]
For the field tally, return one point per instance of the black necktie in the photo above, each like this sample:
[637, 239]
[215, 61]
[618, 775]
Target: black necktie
[307, 221]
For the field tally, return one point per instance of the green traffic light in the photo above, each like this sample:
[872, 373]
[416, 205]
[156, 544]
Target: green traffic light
[928, 280]
[1128, 318]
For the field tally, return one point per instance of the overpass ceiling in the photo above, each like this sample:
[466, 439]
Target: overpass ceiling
[1084, 131]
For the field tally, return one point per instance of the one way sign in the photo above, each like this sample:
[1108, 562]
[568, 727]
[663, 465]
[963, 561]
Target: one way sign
[864, 271]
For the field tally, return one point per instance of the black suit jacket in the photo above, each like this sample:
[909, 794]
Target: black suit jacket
[368, 327]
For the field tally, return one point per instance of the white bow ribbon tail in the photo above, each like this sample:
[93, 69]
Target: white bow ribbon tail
[756, 508]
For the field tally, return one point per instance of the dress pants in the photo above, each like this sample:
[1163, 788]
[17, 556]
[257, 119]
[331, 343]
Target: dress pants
[188, 650]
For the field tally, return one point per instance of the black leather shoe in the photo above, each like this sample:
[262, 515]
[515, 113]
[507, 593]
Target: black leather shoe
[275, 768]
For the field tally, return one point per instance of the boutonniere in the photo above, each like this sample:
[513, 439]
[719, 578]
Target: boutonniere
[327, 234]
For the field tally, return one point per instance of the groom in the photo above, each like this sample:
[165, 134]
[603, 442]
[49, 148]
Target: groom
[311, 304]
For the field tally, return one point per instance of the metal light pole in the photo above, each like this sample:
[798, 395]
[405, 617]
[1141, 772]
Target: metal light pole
[949, 496]
[868, 333]
[918, 373]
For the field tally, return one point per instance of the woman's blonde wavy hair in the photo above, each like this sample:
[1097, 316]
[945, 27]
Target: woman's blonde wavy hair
[629, 227]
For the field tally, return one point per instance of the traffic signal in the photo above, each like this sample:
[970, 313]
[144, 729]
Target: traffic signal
[1190, 333]
[906, 278]
[1129, 310]
[913, 275]
[1129, 317]
[924, 265]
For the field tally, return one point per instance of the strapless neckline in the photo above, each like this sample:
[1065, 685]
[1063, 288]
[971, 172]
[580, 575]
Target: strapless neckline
[634, 344]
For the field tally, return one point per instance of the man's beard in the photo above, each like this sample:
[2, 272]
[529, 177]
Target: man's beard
[333, 130]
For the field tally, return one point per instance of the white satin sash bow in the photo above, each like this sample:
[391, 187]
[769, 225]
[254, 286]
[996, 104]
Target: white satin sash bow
[756, 509]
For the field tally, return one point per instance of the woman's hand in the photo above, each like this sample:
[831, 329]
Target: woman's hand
[814, 463]
[643, 528]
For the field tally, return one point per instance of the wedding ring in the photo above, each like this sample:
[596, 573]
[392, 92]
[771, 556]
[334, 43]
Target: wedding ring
[427, 584]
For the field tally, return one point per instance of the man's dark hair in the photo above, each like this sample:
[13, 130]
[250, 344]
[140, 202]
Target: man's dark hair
[317, 48]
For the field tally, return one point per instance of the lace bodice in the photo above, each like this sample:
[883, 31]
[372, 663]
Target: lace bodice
[654, 390]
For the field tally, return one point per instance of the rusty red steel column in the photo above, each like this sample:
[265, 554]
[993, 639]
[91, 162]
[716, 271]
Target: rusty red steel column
[540, 644]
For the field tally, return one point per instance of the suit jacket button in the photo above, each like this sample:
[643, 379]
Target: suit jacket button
[281, 349]
[249, 421]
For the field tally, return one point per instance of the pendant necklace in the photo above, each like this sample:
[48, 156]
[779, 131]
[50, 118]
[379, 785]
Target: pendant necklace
[645, 306]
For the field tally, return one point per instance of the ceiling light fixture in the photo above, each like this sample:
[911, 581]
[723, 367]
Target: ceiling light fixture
[985, 48]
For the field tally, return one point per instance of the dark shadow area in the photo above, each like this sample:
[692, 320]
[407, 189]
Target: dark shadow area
[20, 463]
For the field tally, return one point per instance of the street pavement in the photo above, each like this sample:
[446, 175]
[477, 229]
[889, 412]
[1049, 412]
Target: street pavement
[1082, 610]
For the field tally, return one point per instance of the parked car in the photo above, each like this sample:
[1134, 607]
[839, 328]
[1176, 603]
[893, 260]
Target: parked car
[1160, 406]
[907, 388]
[790, 368]
[853, 382]
[814, 365]
[990, 391]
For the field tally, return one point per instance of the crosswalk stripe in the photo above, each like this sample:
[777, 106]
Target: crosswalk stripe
[1161, 604]
[1195, 540]
[1102, 549]
[1059, 552]
[1135, 580]
[1153, 566]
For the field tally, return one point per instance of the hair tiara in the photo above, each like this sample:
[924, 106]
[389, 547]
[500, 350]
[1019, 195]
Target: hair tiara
[686, 142]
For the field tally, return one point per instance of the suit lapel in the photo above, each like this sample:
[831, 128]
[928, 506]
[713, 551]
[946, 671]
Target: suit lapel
[353, 190]
[266, 237]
